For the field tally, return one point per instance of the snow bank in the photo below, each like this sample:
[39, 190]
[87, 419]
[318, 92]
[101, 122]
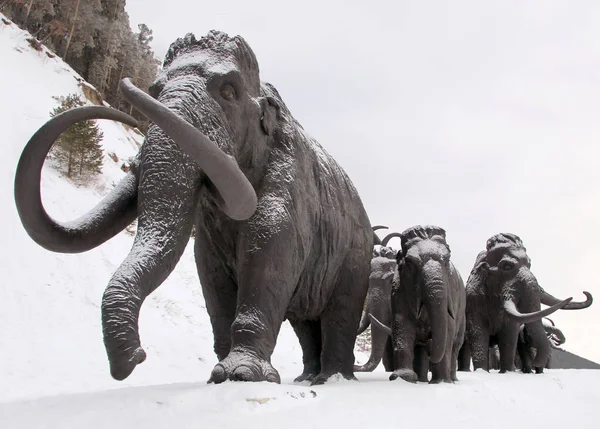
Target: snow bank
[559, 399]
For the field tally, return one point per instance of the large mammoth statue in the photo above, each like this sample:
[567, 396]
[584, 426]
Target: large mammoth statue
[503, 294]
[378, 304]
[281, 231]
[428, 308]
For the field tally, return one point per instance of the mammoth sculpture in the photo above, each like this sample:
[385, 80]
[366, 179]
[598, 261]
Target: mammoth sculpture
[526, 351]
[378, 304]
[281, 232]
[503, 294]
[428, 308]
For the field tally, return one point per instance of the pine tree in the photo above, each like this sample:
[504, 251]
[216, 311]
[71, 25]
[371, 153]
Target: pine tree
[77, 150]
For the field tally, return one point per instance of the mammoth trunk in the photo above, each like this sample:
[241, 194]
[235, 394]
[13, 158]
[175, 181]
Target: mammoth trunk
[436, 302]
[166, 202]
[437, 309]
[117, 210]
[379, 338]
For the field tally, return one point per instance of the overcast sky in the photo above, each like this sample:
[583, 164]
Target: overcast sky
[479, 117]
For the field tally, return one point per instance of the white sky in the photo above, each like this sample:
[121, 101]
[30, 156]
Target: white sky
[479, 117]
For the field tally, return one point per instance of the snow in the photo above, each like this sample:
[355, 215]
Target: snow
[54, 372]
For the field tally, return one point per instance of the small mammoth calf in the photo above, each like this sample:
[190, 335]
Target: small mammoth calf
[428, 308]
[378, 304]
[526, 351]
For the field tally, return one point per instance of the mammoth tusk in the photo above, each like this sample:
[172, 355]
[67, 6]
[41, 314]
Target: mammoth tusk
[388, 237]
[376, 227]
[110, 216]
[515, 314]
[548, 299]
[376, 239]
[238, 196]
[375, 322]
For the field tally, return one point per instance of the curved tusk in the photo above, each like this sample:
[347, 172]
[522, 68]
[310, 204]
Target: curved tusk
[110, 216]
[376, 227]
[515, 314]
[388, 237]
[548, 299]
[238, 196]
[375, 322]
[376, 239]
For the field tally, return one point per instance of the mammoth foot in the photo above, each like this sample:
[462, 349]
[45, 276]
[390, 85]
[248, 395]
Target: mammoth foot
[323, 377]
[123, 361]
[405, 374]
[238, 366]
[305, 376]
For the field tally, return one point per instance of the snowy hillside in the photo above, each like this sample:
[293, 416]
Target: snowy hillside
[54, 372]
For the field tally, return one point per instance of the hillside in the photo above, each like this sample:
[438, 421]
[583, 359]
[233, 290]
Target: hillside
[54, 369]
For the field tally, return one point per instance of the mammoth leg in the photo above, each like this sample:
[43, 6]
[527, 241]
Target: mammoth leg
[421, 363]
[478, 338]
[388, 355]
[340, 320]
[167, 196]
[507, 344]
[309, 336]
[456, 348]
[403, 340]
[263, 296]
[524, 354]
[219, 290]
[539, 341]
[464, 357]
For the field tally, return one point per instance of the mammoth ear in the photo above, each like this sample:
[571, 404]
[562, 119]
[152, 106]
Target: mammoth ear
[269, 112]
[479, 273]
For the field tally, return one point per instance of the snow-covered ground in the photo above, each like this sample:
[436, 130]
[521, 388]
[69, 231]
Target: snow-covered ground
[53, 367]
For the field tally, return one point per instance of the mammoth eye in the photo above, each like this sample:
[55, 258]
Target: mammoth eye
[227, 92]
[507, 265]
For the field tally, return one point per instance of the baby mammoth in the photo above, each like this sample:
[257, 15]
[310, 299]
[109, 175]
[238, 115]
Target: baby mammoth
[378, 304]
[526, 352]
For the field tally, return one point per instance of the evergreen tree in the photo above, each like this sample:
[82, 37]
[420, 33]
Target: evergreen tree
[95, 38]
[77, 150]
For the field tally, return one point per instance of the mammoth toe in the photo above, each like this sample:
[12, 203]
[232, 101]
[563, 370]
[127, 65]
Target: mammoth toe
[218, 374]
[243, 373]
[242, 367]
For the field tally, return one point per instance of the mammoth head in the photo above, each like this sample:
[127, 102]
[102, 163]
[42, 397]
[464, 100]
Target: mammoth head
[507, 258]
[214, 83]
[421, 243]
[384, 252]
[504, 270]
[207, 104]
